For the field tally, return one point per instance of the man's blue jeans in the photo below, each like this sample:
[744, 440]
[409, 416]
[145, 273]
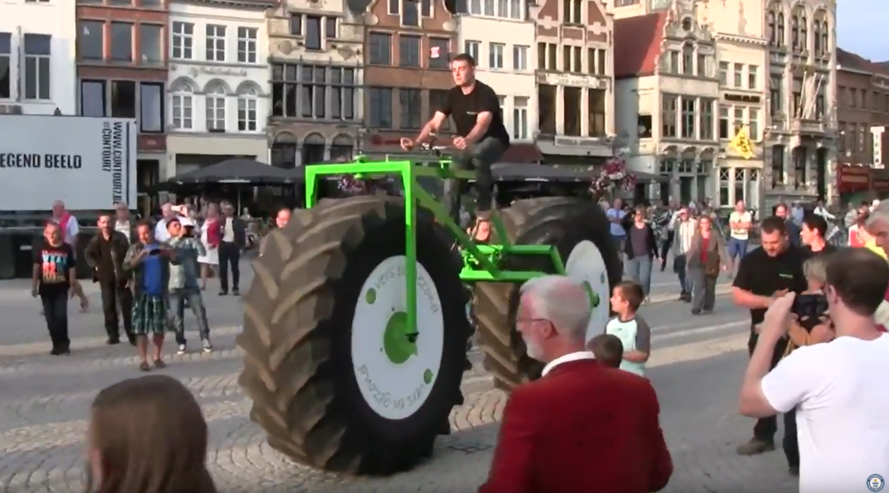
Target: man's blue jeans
[736, 248]
[177, 312]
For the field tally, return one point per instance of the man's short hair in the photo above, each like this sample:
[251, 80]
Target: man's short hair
[773, 224]
[632, 293]
[145, 223]
[608, 349]
[173, 221]
[815, 223]
[859, 277]
[464, 57]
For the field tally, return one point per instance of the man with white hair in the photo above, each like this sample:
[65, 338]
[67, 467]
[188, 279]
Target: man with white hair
[878, 227]
[583, 426]
[160, 229]
[67, 223]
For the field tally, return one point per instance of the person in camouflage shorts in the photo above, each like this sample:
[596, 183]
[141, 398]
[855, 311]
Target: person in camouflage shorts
[148, 262]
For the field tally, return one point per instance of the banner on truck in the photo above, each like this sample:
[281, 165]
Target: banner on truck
[89, 163]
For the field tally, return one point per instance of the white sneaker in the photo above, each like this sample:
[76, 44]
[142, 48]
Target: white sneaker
[181, 349]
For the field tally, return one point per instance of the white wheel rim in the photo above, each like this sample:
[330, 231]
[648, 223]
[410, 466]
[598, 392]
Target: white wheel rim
[586, 265]
[395, 376]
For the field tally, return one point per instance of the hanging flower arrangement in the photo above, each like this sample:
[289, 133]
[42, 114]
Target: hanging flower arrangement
[614, 177]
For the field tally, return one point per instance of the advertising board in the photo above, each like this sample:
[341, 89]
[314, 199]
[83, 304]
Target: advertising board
[89, 163]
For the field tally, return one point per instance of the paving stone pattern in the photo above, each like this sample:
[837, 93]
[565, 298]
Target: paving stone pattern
[44, 403]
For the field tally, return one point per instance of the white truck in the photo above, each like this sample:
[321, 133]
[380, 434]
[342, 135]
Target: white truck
[89, 163]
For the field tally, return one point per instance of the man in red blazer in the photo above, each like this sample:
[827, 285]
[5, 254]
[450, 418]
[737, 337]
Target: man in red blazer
[583, 427]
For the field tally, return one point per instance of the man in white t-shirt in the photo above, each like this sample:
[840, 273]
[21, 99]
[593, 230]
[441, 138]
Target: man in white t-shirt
[739, 223]
[839, 389]
[160, 229]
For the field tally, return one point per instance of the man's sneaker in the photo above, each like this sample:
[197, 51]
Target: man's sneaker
[182, 349]
[208, 347]
[755, 446]
[794, 471]
[236, 292]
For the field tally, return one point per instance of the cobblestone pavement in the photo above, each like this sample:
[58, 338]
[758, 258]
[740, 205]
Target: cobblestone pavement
[44, 400]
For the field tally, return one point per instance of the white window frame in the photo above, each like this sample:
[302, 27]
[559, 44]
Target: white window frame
[473, 49]
[495, 55]
[8, 57]
[247, 114]
[520, 117]
[520, 58]
[182, 109]
[35, 59]
[215, 43]
[250, 52]
[182, 33]
[575, 8]
[215, 102]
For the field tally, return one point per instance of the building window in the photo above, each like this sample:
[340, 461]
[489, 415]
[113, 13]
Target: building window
[572, 59]
[739, 74]
[410, 14]
[816, 37]
[247, 116]
[183, 40]
[410, 102]
[771, 21]
[121, 42]
[723, 73]
[751, 76]
[520, 118]
[724, 198]
[775, 95]
[688, 117]
[753, 123]
[247, 44]
[723, 123]
[313, 32]
[673, 62]
[668, 115]
[182, 104]
[37, 66]
[439, 52]
[739, 119]
[380, 48]
[519, 58]
[546, 112]
[123, 99]
[596, 110]
[438, 99]
[380, 107]
[216, 109]
[5, 65]
[409, 51]
[495, 56]
[307, 91]
[90, 40]
[296, 24]
[703, 69]
[504, 9]
[740, 178]
[688, 59]
[573, 110]
[798, 155]
[151, 104]
[342, 93]
[330, 28]
[394, 7]
[471, 48]
[600, 63]
[707, 106]
[825, 38]
[92, 98]
[426, 8]
[781, 41]
[215, 43]
[150, 43]
[819, 107]
[777, 166]
[572, 11]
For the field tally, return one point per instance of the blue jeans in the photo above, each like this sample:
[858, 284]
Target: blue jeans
[177, 312]
[639, 270]
[736, 248]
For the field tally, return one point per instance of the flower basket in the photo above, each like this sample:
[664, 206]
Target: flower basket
[613, 178]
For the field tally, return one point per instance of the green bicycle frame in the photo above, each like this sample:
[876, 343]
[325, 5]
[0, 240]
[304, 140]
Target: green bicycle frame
[480, 262]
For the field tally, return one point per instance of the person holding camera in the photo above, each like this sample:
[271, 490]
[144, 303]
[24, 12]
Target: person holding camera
[839, 390]
[148, 262]
[765, 274]
[183, 284]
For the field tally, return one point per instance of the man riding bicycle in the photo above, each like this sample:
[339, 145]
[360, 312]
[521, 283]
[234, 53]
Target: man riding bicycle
[482, 139]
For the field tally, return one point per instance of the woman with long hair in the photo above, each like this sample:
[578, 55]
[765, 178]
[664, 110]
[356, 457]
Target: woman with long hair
[147, 435]
[210, 238]
[706, 255]
[640, 248]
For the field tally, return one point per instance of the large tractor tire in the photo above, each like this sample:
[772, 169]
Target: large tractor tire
[580, 231]
[337, 380]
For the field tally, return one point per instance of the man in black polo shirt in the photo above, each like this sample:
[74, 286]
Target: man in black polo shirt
[812, 235]
[767, 273]
[481, 139]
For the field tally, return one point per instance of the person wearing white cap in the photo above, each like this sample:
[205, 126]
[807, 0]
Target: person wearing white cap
[184, 278]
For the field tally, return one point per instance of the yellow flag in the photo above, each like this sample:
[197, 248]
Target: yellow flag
[742, 144]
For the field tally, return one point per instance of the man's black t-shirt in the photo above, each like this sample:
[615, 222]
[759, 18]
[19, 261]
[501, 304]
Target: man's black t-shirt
[465, 108]
[56, 265]
[828, 249]
[763, 275]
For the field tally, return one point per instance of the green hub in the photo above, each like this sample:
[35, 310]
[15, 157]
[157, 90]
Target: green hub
[592, 295]
[399, 342]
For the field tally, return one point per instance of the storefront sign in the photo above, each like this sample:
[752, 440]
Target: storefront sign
[877, 133]
[587, 81]
[741, 98]
[577, 141]
[853, 178]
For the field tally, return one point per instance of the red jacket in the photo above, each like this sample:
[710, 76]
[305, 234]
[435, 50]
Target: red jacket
[213, 236]
[581, 428]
